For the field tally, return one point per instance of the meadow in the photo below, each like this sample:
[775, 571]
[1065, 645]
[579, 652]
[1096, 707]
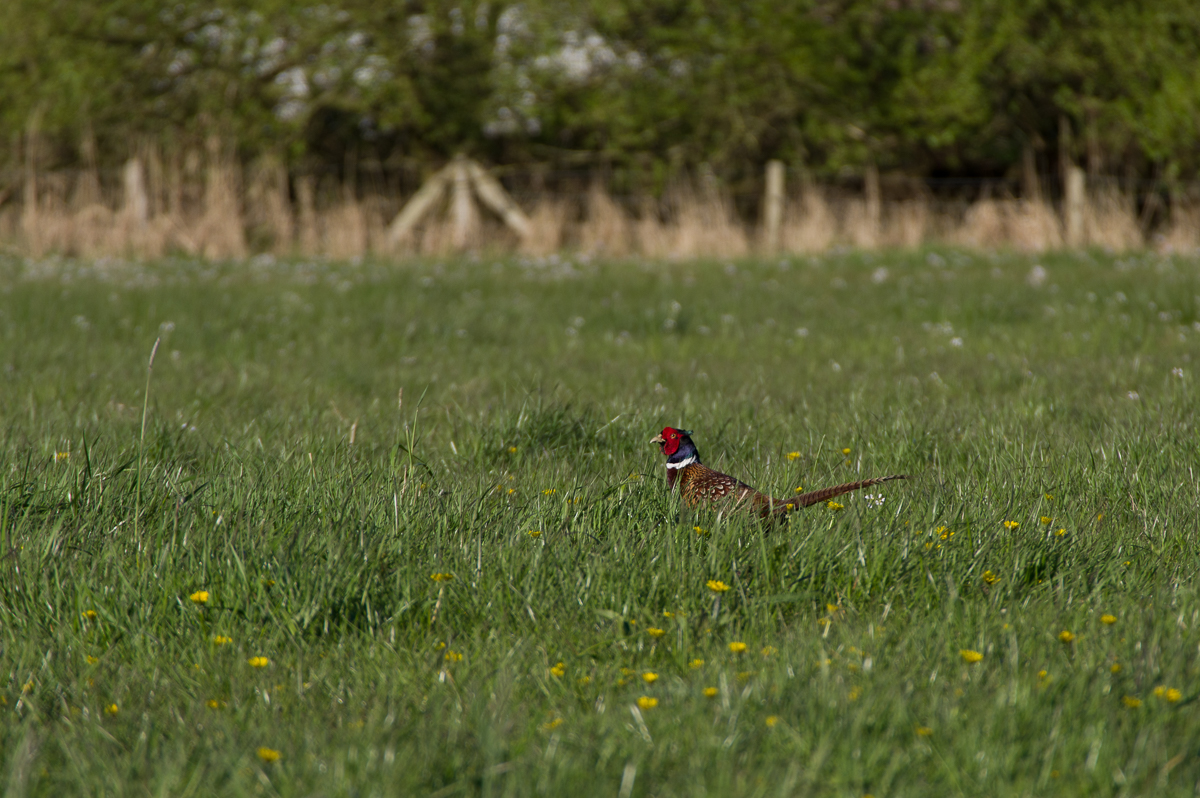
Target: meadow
[370, 528]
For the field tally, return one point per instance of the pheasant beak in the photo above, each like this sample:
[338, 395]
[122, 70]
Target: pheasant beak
[658, 439]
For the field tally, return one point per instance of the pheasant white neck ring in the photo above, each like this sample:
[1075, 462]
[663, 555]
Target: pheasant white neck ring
[681, 463]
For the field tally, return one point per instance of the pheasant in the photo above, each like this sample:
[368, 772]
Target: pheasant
[700, 485]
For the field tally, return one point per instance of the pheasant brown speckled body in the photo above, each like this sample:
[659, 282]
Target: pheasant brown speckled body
[700, 485]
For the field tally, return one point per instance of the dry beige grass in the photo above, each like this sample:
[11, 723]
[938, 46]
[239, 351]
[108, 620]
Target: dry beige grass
[549, 226]
[606, 230]
[1183, 232]
[809, 224]
[202, 203]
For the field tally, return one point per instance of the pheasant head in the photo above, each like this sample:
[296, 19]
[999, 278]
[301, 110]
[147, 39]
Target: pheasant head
[677, 445]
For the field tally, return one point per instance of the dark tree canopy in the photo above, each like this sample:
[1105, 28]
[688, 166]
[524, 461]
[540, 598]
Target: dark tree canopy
[915, 87]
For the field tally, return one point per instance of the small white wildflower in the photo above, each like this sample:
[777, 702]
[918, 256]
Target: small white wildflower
[956, 341]
[1036, 276]
[875, 499]
[1133, 395]
[1178, 372]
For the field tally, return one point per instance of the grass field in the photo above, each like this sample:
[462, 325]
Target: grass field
[246, 599]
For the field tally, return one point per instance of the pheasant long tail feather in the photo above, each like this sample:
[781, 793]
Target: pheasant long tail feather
[825, 494]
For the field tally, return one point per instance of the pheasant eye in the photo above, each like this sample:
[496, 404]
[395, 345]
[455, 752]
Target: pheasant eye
[673, 435]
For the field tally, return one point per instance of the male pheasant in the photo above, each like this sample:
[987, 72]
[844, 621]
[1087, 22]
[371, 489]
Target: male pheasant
[700, 485]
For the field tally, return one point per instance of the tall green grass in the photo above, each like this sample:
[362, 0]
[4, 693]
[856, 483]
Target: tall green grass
[322, 439]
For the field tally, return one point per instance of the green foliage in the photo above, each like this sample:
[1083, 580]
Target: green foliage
[324, 438]
[646, 87]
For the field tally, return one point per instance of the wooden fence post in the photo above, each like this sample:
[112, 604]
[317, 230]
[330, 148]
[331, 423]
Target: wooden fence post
[773, 206]
[462, 206]
[137, 204]
[874, 204]
[1074, 206]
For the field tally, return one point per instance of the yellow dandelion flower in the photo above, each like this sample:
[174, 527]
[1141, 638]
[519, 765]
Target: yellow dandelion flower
[1131, 702]
[549, 491]
[1066, 636]
[258, 662]
[584, 681]
[649, 677]
[1173, 695]
[717, 586]
[112, 709]
[1011, 524]
[737, 647]
[558, 670]
[1060, 533]
[710, 692]
[89, 614]
[793, 455]
[835, 506]
[970, 657]
[744, 676]
[822, 621]
[653, 632]
[222, 640]
[647, 702]
[213, 703]
[268, 583]
[268, 754]
[440, 577]
[855, 692]
[1107, 619]
[512, 449]
[799, 489]
[696, 664]
[832, 607]
[772, 720]
[990, 577]
[846, 450]
[1160, 691]
[439, 646]
[553, 724]
[511, 491]
[1045, 519]
[1116, 668]
[668, 614]
[534, 533]
[1042, 674]
[61, 456]
[700, 531]
[769, 651]
[90, 660]
[1100, 516]
[199, 597]
[1048, 497]
[452, 656]
[924, 731]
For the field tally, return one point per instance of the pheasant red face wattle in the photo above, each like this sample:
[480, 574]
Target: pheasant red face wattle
[701, 485]
[669, 440]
